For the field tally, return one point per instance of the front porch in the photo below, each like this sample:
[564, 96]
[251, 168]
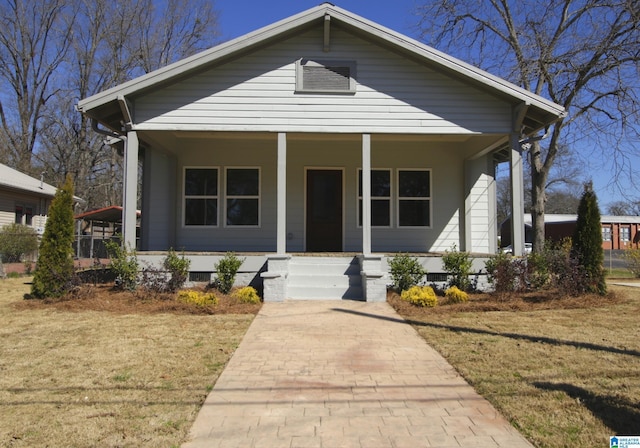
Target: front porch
[317, 276]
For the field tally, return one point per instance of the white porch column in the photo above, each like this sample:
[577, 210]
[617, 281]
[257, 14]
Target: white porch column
[517, 195]
[130, 193]
[281, 234]
[366, 194]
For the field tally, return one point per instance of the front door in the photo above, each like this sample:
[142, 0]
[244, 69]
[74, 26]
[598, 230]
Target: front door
[324, 211]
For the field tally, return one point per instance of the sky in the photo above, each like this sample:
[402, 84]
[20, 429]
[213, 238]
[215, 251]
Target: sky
[238, 17]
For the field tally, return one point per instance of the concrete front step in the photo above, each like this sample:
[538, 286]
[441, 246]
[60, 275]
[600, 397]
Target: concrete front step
[324, 278]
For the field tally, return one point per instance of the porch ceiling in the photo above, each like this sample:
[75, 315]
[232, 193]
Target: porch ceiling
[169, 141]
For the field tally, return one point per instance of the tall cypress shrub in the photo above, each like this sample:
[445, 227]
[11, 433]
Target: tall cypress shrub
[54, 271]
[587, 241]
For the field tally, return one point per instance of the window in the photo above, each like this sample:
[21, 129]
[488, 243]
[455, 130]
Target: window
[201, 197]
[606, 234]
[24, 214]
[325, 76]
[414, 198]
[243, 196]
[625, 234]
[380, 198]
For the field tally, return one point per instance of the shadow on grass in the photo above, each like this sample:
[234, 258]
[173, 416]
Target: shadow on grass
[517, 336]
[619, 414]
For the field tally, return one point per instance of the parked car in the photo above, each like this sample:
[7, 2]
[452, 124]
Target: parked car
[528, 247]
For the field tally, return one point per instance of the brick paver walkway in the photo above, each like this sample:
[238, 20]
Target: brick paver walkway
[343, 374]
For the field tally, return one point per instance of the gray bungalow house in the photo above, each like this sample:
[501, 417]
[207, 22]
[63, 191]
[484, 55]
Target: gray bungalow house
[322, 134]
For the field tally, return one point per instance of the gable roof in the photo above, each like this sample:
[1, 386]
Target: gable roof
[15, 180]
[107, 107]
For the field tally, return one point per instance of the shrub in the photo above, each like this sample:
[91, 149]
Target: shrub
[455, 295]
[54, 273]
[178, 269]
[505, 273]
[124, 265]
[458, 265]
[226, 269]
[16, 241]
[587, 241]
[632, 260]
[405, 271]
[247, 294]
[197, 297]
[420, 296]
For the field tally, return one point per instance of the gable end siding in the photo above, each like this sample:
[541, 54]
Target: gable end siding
[258, 93]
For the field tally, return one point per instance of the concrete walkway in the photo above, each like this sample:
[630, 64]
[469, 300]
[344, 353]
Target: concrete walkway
[343, 374]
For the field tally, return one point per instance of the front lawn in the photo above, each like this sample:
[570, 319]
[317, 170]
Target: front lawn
[564, 371]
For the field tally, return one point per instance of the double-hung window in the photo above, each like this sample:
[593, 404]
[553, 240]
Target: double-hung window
[243, 197]
[625, 234]
[201, 197]
[380, 198]
[24, 214]
[414, 198]
[606, 234]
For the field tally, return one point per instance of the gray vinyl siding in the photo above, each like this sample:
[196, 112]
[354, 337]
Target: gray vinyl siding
[445, 160]
[158, 211]
[257, 93]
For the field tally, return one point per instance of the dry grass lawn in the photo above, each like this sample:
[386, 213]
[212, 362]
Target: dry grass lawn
[564, 371]
[118, 375]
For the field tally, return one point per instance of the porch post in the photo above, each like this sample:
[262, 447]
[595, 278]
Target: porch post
[366, 194]
[130, 193]
[517, 196]
[281, 234]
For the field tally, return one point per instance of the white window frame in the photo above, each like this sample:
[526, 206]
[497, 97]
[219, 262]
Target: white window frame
[389, 198]
[422, 198]
[258, 197]
[185, 197]
[301, 63]
[606, 234]
[625, 234]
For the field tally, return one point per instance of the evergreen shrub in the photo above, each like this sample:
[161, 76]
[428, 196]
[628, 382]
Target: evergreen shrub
[406, 271]
[54, 274]
[197, 297]
[458, 265]
[455, 295]
[226, 270]
[17, 240]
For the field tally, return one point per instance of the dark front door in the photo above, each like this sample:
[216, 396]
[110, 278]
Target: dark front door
[324, 211]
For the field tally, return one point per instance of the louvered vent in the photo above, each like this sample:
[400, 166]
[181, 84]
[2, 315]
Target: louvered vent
[326, 78]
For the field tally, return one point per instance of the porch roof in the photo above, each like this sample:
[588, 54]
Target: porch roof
[110, 107]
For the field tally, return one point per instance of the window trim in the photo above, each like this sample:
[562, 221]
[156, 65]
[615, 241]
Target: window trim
[258, 197]
[607, 231]
[352, 65]
[185, 197]
[389, 198]
[421, 198]
[627, 234]
[26, 219]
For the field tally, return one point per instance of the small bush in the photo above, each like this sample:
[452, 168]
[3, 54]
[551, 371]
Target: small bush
[178, 269]
[455, 295]
[423, 296]
[506, 273]
[405, 271]
[16, 241]
[632, 260]
[247, 294]
[124, 265]
[197, 297]
[458, 265]
[226, 269]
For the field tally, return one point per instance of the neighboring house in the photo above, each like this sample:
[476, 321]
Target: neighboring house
[323, 132]
[618, 232]
[24, 199]
[99, 225]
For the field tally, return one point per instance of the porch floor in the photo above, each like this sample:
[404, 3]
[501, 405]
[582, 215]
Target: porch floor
[338, 374]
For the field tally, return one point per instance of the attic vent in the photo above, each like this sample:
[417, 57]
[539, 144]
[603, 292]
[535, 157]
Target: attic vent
[325, 76]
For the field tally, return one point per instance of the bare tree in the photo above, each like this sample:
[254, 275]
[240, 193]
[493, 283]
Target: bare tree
[114, 41]
[33, 46]
[581, 54]
[622, 208]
